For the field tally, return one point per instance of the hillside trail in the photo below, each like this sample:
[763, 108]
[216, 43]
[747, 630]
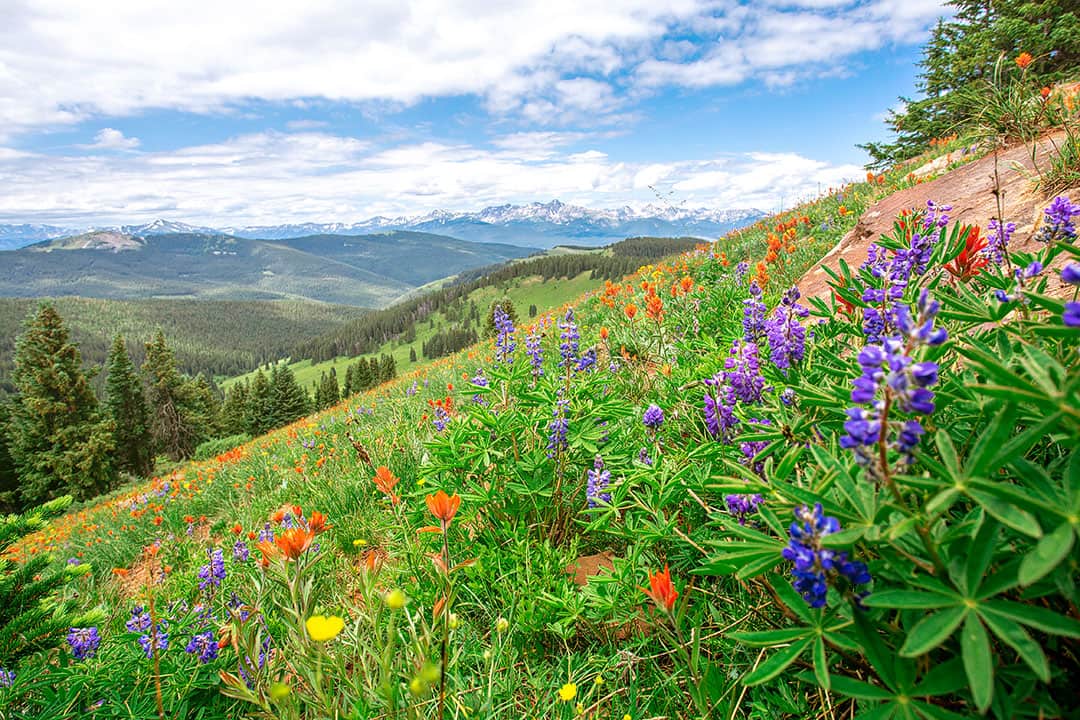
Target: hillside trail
[969, 189]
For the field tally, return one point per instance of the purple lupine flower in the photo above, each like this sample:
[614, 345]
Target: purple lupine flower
[599, 479]
[936, 215]
[753, 315]
[997, 241]
[743, 372]
[557, 428]
[140, 620]
[643, 457]
[1071, 315]
[536, 355]
[787, 396]
[1057, 220]
[240, 551]
[751, 448]
[653, 417]
[787, 337]
[888, 369]
[213, 572]
[205, 645]
[603, 424]
[7, 678]
[587, 361]
[161, 640]
[1071, 274]
[1030, 271]
[742, 507]
[84, 642]
[741, 269]
[480, 381]
[504, 341]
[569, 336]
[266, 534]
[719, 409]
[440, 418]
[815, 566]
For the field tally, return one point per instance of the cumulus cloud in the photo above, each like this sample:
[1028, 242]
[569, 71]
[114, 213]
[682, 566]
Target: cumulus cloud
[113, 139]
[547, 61]
[270, 177]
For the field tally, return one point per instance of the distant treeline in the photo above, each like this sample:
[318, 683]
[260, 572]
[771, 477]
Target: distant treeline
[366, 334]
[215, 338]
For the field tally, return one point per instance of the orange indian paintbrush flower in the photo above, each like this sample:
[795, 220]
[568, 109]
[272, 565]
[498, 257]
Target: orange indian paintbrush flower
[1023, 60]
[317, 522]
[661, 589]
[443, 506]
[294, 541]
[385, 481]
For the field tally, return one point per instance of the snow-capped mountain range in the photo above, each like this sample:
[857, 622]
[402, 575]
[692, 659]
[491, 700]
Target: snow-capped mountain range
[534, 224]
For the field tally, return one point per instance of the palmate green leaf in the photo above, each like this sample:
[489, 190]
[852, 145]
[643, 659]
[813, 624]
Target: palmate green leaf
[1047, 554]
[821, 664]
[1039, 618]
[886, 711]
[877, 654]
[792, 599]
[947, 451]
[768, 638]
[932, 631]
[943, 679]
[934, 712]
[858, 689]
[980, 553]
[777, 663]
[1020, 520]
[911, 600]
[978, 661]
[1016, 637]
[989, 441]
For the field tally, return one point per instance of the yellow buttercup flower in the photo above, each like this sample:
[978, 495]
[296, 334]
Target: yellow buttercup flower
[568, 692]
[321, 628]
[395, 599]
[279, 691]
[502, 625]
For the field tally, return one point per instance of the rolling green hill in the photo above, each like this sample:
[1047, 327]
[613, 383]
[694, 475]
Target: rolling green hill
[365, 270]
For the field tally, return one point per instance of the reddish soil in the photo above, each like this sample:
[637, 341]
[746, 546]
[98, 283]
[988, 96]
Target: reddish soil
[969, 189]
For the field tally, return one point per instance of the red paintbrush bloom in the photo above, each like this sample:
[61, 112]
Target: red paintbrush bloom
[294, 541]
[385, 482]
[317, 522]
[970, 261]
[661, 589]
[1023, 60]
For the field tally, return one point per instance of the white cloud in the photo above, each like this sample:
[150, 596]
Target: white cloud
[268, 178]
[547, 60]
[113, 139]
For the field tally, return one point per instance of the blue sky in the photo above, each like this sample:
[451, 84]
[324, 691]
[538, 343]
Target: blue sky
[272, 112]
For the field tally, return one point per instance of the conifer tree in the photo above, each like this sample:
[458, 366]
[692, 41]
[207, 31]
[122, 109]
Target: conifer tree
[233, 409]
[171, 425]
[259, 408]
[59, 440]
[32, 618]
[202, 406]
[9, 479]
[288, 399]
[126, 404]
[328, 393]
[363, 377]
[350, 381]
[412, 355]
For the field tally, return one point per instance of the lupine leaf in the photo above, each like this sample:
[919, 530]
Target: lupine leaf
[821, 664]
[980, 552]
[1039, 618]
[858, 689]
[776, 663]
[767, 638]
[931, 631]
[1019, 520]
[1047, 555]
[910, 600]
[978, 661]
[1019, 640]
[942, 679]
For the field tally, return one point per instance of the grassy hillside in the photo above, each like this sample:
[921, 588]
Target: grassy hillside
[491, 546]
[213, 337]
[364, 270]
[526, 291]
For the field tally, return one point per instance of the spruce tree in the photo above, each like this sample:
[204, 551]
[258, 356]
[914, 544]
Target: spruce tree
[9, 479]
[60, 442]
[259, 409]
[32, 618]
[202, 408]
[289, 400]
[350, 381]
[363, 377]
[172, 428]
[327, 393]
[233, 409]
[126, 404]
[412, 355]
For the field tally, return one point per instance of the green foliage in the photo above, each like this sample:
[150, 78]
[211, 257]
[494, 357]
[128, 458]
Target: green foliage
[9, 478]
[259, 406]
[173, 404]
[59, 440]
[33, 617]
[960, 57]
[126, 405]
[288, 401]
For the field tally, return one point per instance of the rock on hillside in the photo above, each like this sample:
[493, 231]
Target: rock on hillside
[969, 190]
